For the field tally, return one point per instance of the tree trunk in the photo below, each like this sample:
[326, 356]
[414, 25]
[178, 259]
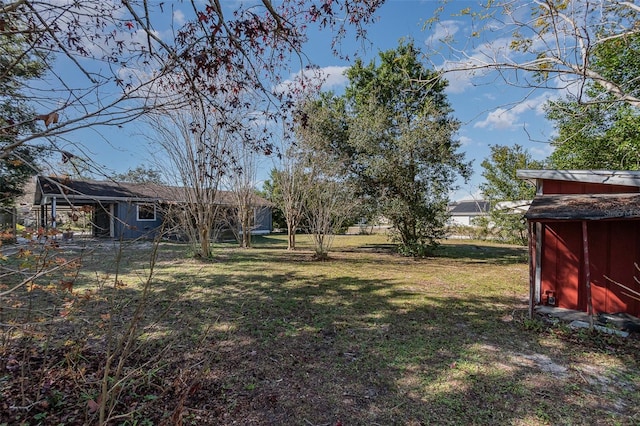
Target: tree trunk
[291, 232]
[246, 231]
[205, 246]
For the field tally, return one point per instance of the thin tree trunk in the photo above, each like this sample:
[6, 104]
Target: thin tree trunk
[205, 247]
[246, 231]
[291, 232]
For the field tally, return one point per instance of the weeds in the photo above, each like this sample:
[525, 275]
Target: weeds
[268, 336]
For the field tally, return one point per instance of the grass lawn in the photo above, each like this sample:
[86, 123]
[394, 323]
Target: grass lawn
[267, 336]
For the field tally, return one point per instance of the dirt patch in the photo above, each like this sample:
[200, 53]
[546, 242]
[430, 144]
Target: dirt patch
[541, 362]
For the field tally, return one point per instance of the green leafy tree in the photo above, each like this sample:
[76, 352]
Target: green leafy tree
[591, 137]
[506, 192]
[395, 138]
[19, 66]
[272, 191]
[140, 174]
[603, 135]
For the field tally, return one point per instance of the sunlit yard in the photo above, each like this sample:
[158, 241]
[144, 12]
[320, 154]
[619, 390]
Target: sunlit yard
[270, 336]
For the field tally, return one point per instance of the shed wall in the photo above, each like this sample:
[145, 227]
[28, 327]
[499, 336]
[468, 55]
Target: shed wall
[566, 187]
[614, 247]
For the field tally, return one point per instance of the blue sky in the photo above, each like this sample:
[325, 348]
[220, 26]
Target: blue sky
[491, 111]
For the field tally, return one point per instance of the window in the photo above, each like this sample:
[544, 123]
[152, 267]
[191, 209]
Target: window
[146, 212]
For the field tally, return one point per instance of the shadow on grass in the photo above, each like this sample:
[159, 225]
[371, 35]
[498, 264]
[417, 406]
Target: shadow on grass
[482, 253]
[360, 351]
[238, 344]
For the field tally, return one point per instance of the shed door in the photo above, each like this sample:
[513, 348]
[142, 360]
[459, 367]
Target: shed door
[561, 260]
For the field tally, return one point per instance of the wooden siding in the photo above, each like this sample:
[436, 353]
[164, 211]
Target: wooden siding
[566, 187]
[560, 263]
[614, 247]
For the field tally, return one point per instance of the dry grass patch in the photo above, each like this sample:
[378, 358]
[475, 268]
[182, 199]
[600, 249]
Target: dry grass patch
[267, 336]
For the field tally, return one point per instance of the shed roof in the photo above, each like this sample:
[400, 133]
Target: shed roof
[91, 191]
[584, 207]
[607, 177]
[469, 207]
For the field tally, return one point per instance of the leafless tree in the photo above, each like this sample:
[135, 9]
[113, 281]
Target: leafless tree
[328, 203]
[241, 184]
[289, 186]
[541, 43]
[111, 62]
[328, 198]
[197, 152]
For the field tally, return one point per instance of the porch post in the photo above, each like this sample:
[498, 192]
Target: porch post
[42, 217]
[53, 212]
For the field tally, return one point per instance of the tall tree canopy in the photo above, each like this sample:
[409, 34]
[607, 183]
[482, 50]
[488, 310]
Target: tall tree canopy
[19, 66]
[602, 135]
[395, 139]
[507, 193]
[140, 174]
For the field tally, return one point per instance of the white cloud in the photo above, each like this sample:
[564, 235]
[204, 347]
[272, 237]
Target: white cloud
[459, 81]
[466, 66]
[505, 118]
[329, 78]
[443, 31]
[499, 119]
[335, 77]
[542, 152]
[465, 140]
[179, 17]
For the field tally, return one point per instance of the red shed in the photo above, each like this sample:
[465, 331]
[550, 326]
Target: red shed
[584, 240]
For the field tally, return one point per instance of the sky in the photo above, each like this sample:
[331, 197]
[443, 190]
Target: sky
[491, 111]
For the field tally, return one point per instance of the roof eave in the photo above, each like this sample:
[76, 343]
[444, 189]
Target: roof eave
[605, 177]
[89, 198]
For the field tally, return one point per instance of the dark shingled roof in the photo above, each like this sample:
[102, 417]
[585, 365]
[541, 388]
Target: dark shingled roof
[585, 206]
[91, 191]
[469, 207]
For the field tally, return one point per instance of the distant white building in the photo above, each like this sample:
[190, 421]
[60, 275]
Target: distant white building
[464, 212]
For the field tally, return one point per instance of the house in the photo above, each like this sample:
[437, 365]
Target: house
[123, 210]
[584, 240]
[464, 212]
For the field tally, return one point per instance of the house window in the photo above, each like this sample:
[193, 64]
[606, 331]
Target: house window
[146, 212]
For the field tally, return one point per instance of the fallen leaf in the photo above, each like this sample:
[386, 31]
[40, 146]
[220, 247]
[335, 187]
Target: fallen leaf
[49, 119]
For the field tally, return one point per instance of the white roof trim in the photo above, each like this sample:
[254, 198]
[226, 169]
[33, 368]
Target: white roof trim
[91, 198]
[607, 177]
